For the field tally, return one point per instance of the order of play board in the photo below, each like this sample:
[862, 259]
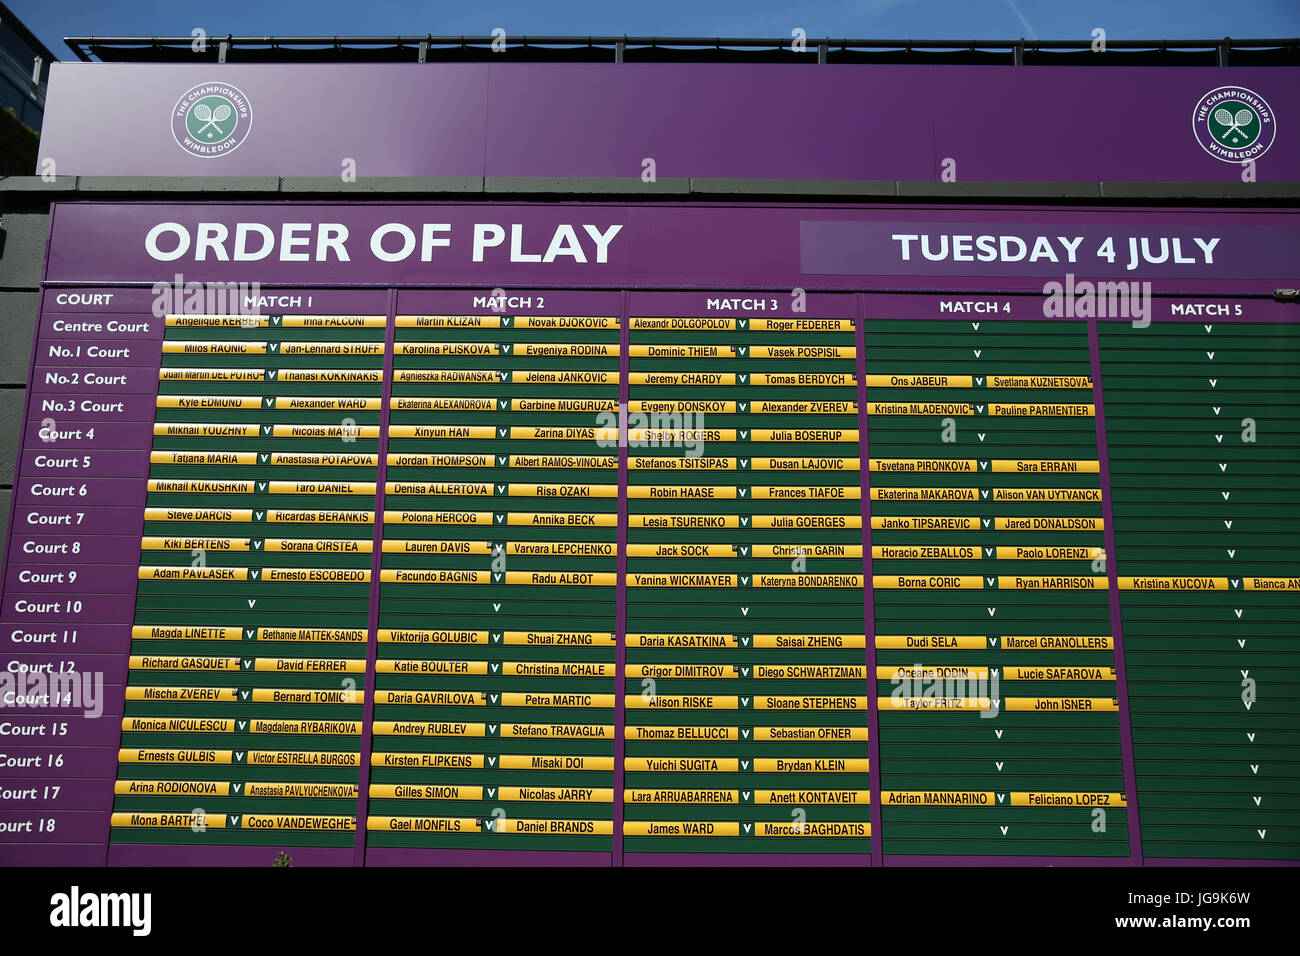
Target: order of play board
[385, 575]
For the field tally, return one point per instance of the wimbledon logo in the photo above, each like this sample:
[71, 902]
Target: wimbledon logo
[211, 119]
[1234, 124]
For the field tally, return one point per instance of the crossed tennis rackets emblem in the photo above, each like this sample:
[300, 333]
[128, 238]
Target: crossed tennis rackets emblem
[1234, 123]
[213, 118]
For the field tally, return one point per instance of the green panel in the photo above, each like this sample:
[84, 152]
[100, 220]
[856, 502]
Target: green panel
[1201, 428]
[987, 526]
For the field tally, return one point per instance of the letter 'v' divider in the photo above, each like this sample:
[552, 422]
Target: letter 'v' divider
[376, 559]
[620, 610]
[868, 592]
[1116, 622]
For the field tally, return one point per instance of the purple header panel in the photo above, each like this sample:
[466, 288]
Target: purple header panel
[983, 123]
[692, 246]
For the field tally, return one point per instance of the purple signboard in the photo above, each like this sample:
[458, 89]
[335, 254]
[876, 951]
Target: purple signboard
[180, 426]
[1005, 124]
[617, 246]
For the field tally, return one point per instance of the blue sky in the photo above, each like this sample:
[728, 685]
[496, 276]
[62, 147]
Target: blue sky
[52, 20]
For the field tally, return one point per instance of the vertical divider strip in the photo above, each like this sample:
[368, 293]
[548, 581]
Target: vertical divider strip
[868, 592]
[376, 561]
[1116, 624]
[620, 611]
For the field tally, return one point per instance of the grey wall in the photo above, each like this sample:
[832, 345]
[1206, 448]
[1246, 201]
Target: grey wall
[23, 224]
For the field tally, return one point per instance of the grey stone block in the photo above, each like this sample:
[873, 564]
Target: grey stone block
[586, 185]
[178, 184]
[1203, 191]
[931, 189]
[22, 249]
[396, 185]
[37, 185]
[17, 326]
[12, 402]
[707, 186]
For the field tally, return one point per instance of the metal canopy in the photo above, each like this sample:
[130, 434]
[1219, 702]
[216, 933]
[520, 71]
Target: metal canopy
[432, 49]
